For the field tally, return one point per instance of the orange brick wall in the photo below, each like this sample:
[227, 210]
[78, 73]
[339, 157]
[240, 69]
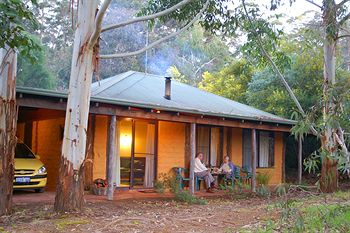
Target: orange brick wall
[276, 171]
[171, 146]
[237, 155]
[20, 131]
[100, 146]
[237, 144]
[47, 143]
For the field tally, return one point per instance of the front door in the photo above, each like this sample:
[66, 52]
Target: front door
[137, 153]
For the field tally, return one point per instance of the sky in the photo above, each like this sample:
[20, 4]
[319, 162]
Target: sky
[296, 10]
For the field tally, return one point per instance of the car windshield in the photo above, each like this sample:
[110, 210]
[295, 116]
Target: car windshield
[23, 152]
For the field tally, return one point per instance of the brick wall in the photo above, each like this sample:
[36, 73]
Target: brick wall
[237, 144]
[171, 146]
[100, 145]
[47, 143]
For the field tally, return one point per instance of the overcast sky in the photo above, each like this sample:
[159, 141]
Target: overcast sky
[296, 10]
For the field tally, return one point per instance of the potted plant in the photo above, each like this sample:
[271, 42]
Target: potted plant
[100, 187]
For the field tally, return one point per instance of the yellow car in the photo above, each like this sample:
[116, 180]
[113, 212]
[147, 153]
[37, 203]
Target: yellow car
[30, 172]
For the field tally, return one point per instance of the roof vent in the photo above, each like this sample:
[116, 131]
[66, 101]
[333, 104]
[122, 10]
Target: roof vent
[167, 94]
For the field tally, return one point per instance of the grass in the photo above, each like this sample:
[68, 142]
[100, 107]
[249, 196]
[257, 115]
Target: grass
[61, 224]
[186, 197]
[304, 215]
[327, 218]
[2, 230]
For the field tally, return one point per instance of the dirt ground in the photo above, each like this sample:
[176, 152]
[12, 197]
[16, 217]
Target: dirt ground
[143, 215]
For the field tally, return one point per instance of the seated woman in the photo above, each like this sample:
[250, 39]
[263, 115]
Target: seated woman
[227, 168]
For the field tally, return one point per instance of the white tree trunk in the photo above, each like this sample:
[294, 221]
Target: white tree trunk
[70, 189]
[8, 123]
[329, 172]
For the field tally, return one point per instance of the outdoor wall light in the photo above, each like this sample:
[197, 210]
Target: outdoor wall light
[125, 140]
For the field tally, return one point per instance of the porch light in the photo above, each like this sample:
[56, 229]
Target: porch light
[125, 140]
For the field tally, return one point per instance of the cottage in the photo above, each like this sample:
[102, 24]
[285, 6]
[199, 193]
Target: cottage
[155, 117]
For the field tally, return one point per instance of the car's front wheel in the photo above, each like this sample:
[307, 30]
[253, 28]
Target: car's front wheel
[41, 190]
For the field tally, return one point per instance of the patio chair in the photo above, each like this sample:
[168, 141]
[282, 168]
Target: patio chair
[180, 176]
[236, 177]
[247, 170]
[197, 181]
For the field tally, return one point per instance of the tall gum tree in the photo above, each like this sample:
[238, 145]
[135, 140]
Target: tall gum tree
[15, 20]
[8, 122]
[70, 186]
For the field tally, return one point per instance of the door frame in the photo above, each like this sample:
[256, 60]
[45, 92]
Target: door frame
[132, 151]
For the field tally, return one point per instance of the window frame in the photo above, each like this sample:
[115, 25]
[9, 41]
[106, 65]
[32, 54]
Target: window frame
[271, 158]
[210, 143]
[272, 152]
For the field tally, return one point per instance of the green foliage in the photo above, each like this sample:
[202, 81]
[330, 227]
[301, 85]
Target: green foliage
[186, 197]
[263, 191]
[35, 75]
[169, 181]
[263, 178]
[231, 82]
[159, 186]
[322, 218]
[312, 163]
[15, 20]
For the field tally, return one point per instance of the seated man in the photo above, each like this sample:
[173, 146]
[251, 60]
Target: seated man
[227, 167]
[202, 172]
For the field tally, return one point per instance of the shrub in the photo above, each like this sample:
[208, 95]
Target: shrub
[263, 178]
[159, 186]
[184, 196]
[168, 181]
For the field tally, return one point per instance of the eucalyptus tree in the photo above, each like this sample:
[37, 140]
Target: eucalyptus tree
[85, 59]
[14, 20]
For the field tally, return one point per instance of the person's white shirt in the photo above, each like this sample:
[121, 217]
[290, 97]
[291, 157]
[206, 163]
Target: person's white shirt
[199, 166]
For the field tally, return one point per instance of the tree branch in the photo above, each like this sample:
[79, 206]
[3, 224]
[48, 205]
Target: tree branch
[147, 17]
[340, 4]
[314, 3]
[157, 42]
[344, 19]
[342, 36]
[203, 65]
[341, 141]
[274, 67]
[98, 23]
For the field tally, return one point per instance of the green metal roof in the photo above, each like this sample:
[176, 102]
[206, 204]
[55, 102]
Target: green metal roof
[142, 90]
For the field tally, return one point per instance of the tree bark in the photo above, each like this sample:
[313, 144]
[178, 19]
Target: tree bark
[329, 173]
[8, 123]
[70, 186]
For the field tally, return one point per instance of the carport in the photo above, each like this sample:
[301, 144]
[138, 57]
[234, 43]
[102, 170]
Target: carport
[42, 130]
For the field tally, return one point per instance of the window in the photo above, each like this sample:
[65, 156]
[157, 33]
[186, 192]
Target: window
[23, 152]
[265, 149]
[265, 142]
[209, 142]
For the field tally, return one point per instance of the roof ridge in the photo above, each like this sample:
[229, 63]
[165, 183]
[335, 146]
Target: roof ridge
[113, 81]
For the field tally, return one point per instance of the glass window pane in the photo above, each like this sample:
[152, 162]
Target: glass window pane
[144, 154]
[264, 148]
[125, 140]
[215, 147]
[203, 140]
[247, 148]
